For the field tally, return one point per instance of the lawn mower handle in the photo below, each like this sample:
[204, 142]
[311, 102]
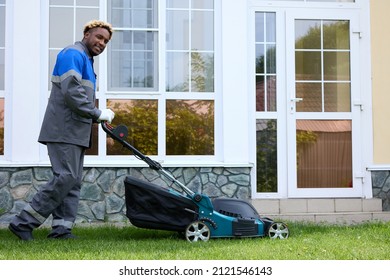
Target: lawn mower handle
[120, 133]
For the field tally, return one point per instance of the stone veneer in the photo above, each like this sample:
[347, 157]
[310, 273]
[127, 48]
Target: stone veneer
[381, 187]
[102, 195]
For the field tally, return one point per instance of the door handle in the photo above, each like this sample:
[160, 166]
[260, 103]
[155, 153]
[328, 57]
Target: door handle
[293, 101]
[297, 99]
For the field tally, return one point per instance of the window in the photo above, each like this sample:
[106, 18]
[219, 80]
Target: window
[265, 62]
[266, 127]
[67, 19]
[190, 127]
[159, 76]
[2, 73]
[189, 71]
[141, 118]
[181, 105]
[190, 46]
[133, 49]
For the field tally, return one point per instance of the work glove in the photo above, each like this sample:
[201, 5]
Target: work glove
[106, 115]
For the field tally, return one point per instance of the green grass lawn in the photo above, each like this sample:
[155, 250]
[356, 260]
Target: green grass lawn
[307, 241]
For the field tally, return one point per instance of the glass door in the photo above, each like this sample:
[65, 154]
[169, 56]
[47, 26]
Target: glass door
[323, 122]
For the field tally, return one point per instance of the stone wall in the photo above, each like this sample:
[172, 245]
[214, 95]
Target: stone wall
[381, 187]
[102, 193]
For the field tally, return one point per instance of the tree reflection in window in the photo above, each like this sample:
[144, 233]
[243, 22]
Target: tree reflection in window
[140, 117]
[190, 127]
[202, 72]
[266, 143]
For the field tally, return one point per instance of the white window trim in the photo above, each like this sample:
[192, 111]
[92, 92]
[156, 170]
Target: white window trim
[103, 94]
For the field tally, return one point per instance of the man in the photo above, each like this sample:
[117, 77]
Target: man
[66, 131]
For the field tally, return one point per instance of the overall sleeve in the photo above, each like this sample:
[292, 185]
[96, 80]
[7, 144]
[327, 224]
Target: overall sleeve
[77, 81]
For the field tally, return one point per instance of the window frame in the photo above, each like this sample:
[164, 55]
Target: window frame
[162, 96]
[103, 94]
[3, 5]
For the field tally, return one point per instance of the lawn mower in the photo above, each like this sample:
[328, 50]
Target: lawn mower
[180, 209]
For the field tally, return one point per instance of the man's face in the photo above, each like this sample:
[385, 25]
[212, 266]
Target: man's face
[96, 40]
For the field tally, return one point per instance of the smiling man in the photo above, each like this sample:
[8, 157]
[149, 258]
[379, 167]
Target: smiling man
[66, 131]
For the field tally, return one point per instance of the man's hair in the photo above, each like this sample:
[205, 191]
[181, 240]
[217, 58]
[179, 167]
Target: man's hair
[98, 23]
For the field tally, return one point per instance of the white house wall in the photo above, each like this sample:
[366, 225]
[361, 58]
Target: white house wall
[23, 81]
[235, 81]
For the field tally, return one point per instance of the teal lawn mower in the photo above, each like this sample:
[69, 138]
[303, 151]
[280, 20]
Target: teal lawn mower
[195, 215]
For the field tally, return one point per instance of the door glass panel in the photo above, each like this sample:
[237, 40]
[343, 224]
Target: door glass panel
[323, 86]
[307, 34]
[337, 97]
[311, 95]
[336, 66]
[266, 156]
[307, 65]
[324, 153]
[265, 36]
[336, 34]
[266, 102]
[322, 66]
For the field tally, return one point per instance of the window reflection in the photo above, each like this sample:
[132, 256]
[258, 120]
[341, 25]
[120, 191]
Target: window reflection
[133, 60]
[336, 66]
[67, 19]
[311, 94]
[177, 72]
[337, 97]
[307, 34]
[60, 27]
[266, 156]
[202, 72]
[265, 48]
[177, 30]
[134, 14]
[324, 153]
[322, 66]
[202, 37]
[190, 46]
[336, 34]
[190, 127]
[308, 65]
[140, 117]
[177, 4]
[133, 50]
